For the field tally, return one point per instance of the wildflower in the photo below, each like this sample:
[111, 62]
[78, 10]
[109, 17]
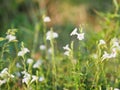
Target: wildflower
[26, 78]
[50, 35]
[80, 36]
[34, 78]
[42, 47]
[74, 32]
[18, 65]
[10, 37]
[37, 64]
[46, 19]
[66, 47]
[2, 82]
[68, 50]
[67, 53]
[23, 52]
[5, 74]
[116, 89]
[50, 50]
[102, 42]
[106, 55]
[41, 79]
[29, 61]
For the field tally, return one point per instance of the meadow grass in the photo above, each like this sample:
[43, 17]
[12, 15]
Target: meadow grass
[90, 61]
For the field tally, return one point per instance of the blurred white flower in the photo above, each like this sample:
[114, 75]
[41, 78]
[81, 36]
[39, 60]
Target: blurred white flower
[116, 89]
[50, 35]
[46, 19]
[42, 47]
[29, 61]
[18, 65]
[5, 74]
[102, 42]
[67, 53]
[10, 37]
[3, 82]
[112, 55]
[80, 36]
[106, 55]
[26, 78]
[23, 51]
[41, 79]
[34, 78]
[50, 50]
[74, 32]
[37, 64]
[66, 47]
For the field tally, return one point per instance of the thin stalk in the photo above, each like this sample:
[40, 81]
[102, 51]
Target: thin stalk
[53, 63]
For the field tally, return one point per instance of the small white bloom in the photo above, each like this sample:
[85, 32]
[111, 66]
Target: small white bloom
[37, 64]
[102, 42]
[23, 51]
[50, 35]
[50, 50]
[74, 32]
[106, 55]
[67, 53]
[114, 53]
[66, 47]
[29, 61]
[116, 89]
[42, 47]
[41, 79]
[46, 19]
[3, 82]
[18, 65]
[26, 78]
[80, 36]
[10, 37]
[34, 78]
[5, 74]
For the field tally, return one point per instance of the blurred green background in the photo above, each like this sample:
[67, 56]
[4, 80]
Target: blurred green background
[26, 15]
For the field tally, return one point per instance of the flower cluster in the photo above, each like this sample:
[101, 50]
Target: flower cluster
[114, 48]
[5, 75]
[28, 78]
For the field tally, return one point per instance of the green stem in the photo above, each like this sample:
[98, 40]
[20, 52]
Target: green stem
[53, 63]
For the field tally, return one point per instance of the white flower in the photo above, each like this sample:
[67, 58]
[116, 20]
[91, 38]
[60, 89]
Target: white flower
[102, 42]
[29, 61]
[116, 89]
[80, 36]
[5, 74]
[23, 52]
[37, 64]
[74, 32]
[46, 19]
[42, 47]
[10, 37]
[18, 65]
[50, 50]
[67, 53]
[66, 47]
[34, 78]
[106, 55]
[26, 78]
[41, 79]
[50, 35]
[2, 82]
